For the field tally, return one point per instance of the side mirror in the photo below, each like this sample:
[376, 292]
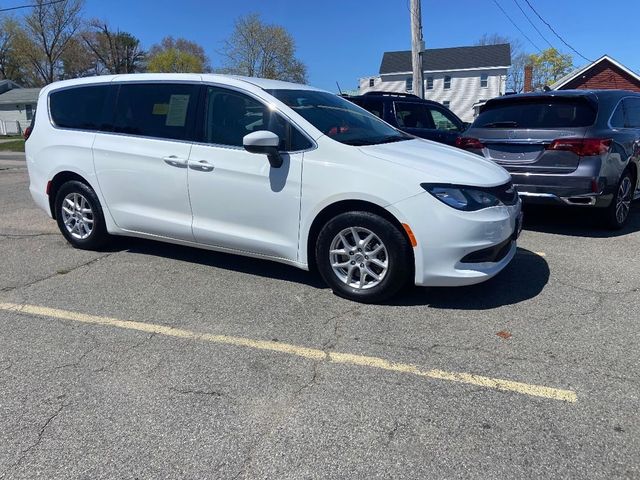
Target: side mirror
[266, 143]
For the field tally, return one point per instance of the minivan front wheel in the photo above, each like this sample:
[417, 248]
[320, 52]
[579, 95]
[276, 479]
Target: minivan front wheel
[363, 257]
[79, 216]
[617, 213]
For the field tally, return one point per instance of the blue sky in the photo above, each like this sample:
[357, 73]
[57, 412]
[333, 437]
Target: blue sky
[344, 40]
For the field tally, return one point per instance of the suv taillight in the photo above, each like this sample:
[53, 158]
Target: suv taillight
[467, 143]
[27, 133]
[584, 147]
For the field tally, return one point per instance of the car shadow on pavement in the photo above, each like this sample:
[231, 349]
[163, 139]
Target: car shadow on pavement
[523, 279]
[576, 221]
[227, 261]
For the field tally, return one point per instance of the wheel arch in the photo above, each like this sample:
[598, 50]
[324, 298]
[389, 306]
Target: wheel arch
[343, 206]
[57, 181]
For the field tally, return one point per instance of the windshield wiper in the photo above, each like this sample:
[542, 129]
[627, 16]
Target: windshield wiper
[378, 141]
[505, 123]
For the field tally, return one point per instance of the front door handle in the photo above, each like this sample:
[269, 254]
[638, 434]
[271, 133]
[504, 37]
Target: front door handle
[200, 165]
[176, 161]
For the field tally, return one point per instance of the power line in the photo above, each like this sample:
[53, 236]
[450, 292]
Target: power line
[556, 33]
[533, 24]
[31, 6]
[515, 25]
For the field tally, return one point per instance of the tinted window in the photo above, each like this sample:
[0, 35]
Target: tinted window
[374, 106]
[231, 115]
[80, 108]
[338, 118]
[160, 110]
[443, 120]
[617, 119]
[413, 115]
[632, 110]
[537, 113]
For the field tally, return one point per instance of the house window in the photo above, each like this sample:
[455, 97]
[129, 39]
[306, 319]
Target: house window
[447, 82]
[408, 83]
[29, 111]
[372, 82]
[429, 83]
[484, 80]
[447, 104]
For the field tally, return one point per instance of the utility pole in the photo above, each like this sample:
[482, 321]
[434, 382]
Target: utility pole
[417, 46]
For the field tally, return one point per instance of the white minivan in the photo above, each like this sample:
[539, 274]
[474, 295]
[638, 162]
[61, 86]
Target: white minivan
[268, 169]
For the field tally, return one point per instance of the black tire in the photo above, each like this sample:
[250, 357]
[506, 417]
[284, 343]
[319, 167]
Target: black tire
[610, 215]
[399, 263]
[98, 236]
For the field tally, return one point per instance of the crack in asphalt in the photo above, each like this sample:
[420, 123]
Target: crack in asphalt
[211, 393]
[28, 235]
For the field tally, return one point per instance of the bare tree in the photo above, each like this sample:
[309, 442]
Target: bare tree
[257, 49]
[515, 75]
[114, 51]
[9, 64]
[46, 34]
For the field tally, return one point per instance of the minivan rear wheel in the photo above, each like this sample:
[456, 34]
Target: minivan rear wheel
[616, 214]
[363, 257]
[79, 216]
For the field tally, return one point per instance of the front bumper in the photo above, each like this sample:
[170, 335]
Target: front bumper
[446, 236]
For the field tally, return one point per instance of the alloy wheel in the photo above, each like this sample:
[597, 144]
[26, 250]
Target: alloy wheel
[77, 216]
[623, 199]
[359, 258]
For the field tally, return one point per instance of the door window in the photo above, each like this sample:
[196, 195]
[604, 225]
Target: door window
[231, 115]
[413, 115]
[632, 110]
[159, 110]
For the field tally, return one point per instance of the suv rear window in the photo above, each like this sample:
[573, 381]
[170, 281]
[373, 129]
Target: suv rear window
[79, 108]
[537, 113]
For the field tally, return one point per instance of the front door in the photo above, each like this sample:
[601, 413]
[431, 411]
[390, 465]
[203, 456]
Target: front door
[141, 165]
[239, 201]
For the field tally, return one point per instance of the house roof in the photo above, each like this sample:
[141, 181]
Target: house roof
[7, 85]
[455, 58]
[20, 95]
[582, 70]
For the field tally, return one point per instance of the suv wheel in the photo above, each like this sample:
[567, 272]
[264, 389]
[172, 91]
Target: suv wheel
[80, 217]
[617, 213]
[363, 257]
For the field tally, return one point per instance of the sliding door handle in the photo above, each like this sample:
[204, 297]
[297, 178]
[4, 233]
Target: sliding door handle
[176, 161]
[200, 165]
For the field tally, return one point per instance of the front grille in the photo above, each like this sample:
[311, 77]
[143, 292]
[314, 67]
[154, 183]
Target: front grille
[491, 254]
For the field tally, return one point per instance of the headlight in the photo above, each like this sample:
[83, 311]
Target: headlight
[462, 198]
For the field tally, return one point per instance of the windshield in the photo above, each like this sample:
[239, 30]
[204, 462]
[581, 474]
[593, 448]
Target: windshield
[537, 113]
[338, 118]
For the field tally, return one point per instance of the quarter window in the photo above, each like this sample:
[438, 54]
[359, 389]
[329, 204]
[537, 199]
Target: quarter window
[231, 115]
[484, 80]
[447, 82]
[159, 110]
[79, 108]
[617, 119]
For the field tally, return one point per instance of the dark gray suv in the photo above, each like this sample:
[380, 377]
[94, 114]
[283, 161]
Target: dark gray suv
[572, 147]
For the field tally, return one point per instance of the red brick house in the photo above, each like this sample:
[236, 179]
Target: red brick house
[603, 74]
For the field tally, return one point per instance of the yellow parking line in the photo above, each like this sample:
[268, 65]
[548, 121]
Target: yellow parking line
[309, 353]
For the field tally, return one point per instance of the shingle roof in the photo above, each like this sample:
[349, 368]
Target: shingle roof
[456, 58]
[20, 95]
[7, 85]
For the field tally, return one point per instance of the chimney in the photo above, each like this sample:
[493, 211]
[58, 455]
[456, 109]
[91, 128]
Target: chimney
[528, 78]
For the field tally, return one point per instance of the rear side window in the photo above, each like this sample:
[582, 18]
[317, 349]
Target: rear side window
[413, 115]
[159, 110]
[374, 106]
[537, 113]
[79, 108]
[632, 110]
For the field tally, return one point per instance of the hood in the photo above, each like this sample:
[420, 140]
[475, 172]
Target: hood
[439, 163]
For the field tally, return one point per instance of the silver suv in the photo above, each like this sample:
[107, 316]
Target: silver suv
[577, 147]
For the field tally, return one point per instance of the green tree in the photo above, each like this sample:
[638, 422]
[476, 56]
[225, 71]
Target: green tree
[257, 49]
[10, 64]
[177, 56]
[549, 66]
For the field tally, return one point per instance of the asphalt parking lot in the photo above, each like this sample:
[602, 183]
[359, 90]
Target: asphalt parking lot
[156, 361]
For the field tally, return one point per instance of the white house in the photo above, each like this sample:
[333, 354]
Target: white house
[17, 106]
[461, 78]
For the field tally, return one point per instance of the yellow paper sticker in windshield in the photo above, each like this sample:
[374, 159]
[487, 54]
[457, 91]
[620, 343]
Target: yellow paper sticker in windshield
[160, 108]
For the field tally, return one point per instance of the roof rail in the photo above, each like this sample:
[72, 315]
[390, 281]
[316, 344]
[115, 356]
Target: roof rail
[394, 94]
